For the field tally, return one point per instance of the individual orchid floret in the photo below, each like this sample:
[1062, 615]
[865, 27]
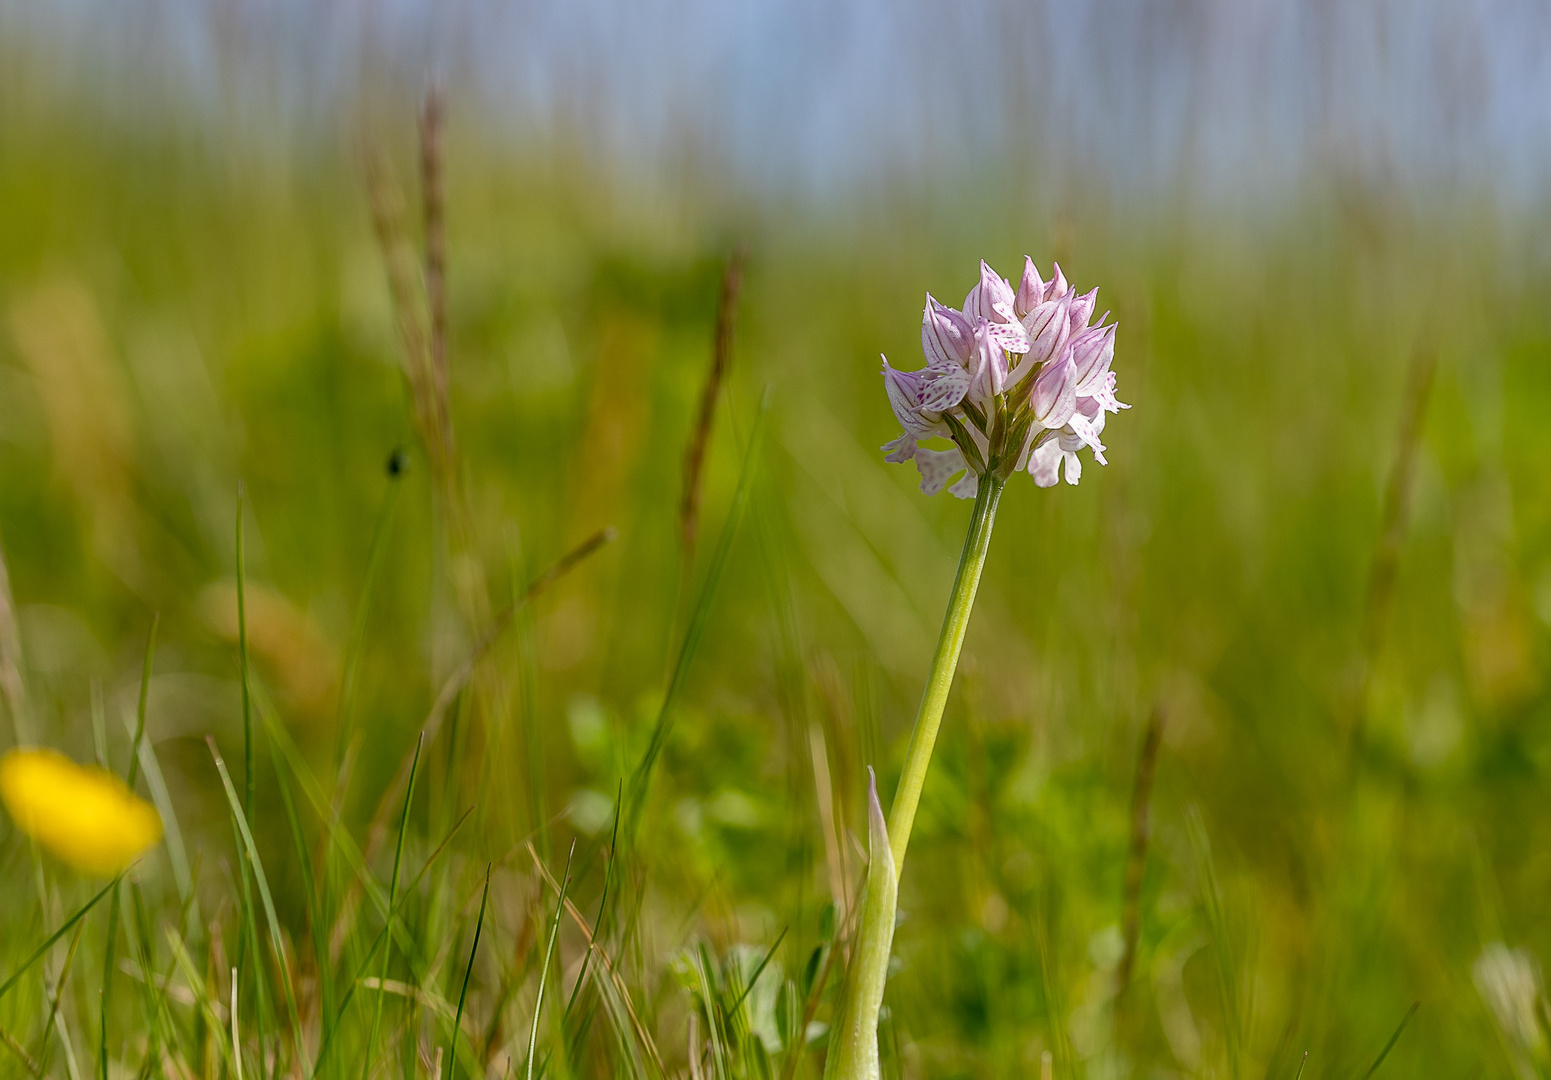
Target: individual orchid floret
[987, 366]
[1034, 290]
[907, 390]
[1055, 391]
[947, 336]
[1046, 320]
[992, 300]
[1016, 380]
[1058, 449]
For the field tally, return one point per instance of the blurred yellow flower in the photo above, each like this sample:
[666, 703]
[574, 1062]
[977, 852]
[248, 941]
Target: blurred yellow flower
[85, 816]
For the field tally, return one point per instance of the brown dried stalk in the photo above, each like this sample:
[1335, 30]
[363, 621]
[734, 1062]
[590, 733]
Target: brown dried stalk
[1392, 528]
[1136, 857]
[398, 259]
[721, 357]
[433, 195]
[11, 684]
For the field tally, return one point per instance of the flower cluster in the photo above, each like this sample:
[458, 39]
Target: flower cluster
[1016, 379]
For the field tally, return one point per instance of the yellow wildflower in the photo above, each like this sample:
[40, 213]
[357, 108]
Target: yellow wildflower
[85, 816]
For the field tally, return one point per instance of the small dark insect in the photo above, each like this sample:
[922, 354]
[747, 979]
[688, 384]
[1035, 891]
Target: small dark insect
[398, 462]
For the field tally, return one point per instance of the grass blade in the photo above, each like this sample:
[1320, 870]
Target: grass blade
[45, 1042]
[107, 986]
[382, 935]
[236, 1040]
[161, 798]
[754, 978]
[1136, 855]
[549, 952]
[457, 1020]
[38, 953]
[603, 900]
[11, 1043]
[393, 884]
[131, 776]
[309, 888]
[1217, 926]
[357, 644]
[275, 941]
[640, 780]
[242, 662]
[1393, 1039]
[145, 690]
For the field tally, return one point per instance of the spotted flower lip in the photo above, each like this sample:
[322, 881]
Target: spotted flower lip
[907, 392]
[1017, 379]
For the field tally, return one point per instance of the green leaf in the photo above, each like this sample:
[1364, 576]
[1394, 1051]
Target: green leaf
[853, 1047]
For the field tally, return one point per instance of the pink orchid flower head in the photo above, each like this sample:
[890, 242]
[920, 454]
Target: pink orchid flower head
[1017, 379]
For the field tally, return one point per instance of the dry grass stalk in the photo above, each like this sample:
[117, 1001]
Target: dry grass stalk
[609, 967]
[1392, 528]
[11, 684]
[20, 1051]
[433, 196]
[721, 357]
[387, 207]
[1136, 856]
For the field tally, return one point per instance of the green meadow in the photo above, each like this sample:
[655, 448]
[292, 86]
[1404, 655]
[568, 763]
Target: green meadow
[1245, 771]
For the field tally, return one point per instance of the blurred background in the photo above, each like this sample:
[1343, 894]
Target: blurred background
[1318, 564]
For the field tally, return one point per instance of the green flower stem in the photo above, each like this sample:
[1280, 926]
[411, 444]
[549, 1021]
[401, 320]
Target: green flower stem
[902, 814]
[853, 1051]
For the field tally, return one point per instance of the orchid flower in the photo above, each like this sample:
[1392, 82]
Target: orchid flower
[1093, 388]
[1002, 374]
[1015, 380]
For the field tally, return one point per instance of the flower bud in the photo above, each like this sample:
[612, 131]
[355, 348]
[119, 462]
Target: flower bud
[1082, 310]
[1057, 285]
[1031, 291]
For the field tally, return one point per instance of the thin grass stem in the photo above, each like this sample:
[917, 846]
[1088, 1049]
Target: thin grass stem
[276, 942]
[1393, 1039]
[393, 884]
[37, 954]
[640, 780]
[549, 952]
[457, 1020]
[1136, 855]
[242, 660]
